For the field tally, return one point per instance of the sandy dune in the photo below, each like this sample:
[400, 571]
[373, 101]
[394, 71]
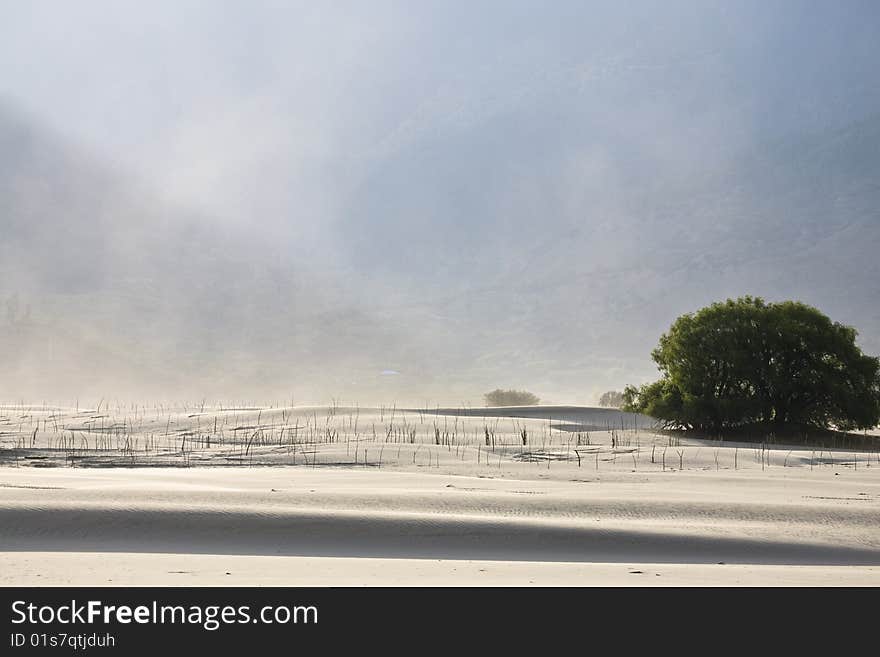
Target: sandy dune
[377, 526]
[573, 417]
[560, 495]
[145, 569]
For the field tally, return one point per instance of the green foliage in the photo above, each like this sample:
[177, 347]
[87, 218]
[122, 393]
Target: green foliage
[501, 397]
[748, 361]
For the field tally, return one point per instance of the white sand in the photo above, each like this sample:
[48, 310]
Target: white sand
[303, 526]
[371, 508]
[139, 569]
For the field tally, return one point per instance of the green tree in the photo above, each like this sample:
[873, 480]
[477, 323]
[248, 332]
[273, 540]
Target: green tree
[747, 361]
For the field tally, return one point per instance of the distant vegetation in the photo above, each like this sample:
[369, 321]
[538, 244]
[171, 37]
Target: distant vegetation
[748, 362]
[501, 397]
[611, 399]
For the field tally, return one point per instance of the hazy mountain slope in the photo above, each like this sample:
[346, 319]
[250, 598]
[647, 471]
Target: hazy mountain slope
[554, 296]
[110, 292]
[460, 198]
[164, 304]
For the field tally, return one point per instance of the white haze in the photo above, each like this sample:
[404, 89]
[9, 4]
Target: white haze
[379, 201]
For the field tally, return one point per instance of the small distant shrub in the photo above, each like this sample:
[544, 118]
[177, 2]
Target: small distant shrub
[611, 399]
[501, 397]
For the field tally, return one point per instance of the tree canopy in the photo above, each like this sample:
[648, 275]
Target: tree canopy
[746, 361]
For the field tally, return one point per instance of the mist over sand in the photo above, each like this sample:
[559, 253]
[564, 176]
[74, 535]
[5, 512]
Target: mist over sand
[268, 201]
